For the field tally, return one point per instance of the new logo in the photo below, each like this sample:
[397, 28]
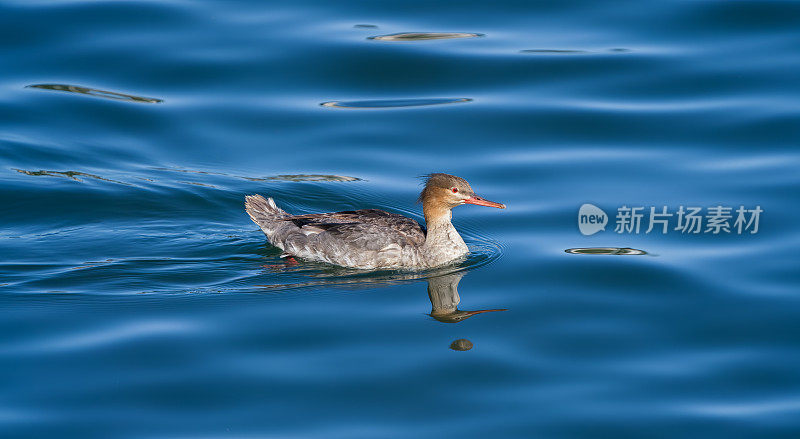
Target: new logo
[591, 219]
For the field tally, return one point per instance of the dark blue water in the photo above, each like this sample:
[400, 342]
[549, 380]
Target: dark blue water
[138, 300]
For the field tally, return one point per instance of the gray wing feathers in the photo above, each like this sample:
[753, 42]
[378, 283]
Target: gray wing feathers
[363, 238]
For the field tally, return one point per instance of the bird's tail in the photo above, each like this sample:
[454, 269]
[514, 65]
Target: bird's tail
[264, 213]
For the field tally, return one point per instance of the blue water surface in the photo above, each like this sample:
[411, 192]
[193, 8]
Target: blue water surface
[139, 301]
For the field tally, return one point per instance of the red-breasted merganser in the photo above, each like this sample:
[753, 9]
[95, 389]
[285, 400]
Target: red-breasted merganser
[371, 238]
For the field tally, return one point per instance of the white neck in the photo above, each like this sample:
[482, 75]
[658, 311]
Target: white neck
[442, 242]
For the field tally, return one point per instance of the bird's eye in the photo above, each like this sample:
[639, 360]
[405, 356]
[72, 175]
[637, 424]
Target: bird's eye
[455, 190]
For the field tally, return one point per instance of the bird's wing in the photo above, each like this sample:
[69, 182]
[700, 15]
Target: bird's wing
[352, 224]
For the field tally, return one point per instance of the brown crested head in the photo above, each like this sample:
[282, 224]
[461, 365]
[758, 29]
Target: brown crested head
[445, 191]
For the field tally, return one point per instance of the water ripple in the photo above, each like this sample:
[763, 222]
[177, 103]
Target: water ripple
[571, 51]
[96, 93]
[97, 338]
[394, 103]
[417, 36]
[605, 251]
[72, 175]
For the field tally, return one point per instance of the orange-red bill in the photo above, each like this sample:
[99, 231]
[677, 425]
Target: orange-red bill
[478, 201]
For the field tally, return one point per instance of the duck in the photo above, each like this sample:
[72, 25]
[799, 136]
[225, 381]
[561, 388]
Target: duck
[370, 239]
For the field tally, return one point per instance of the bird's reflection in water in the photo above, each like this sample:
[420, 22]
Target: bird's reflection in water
[442, 289]
[443, 292]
